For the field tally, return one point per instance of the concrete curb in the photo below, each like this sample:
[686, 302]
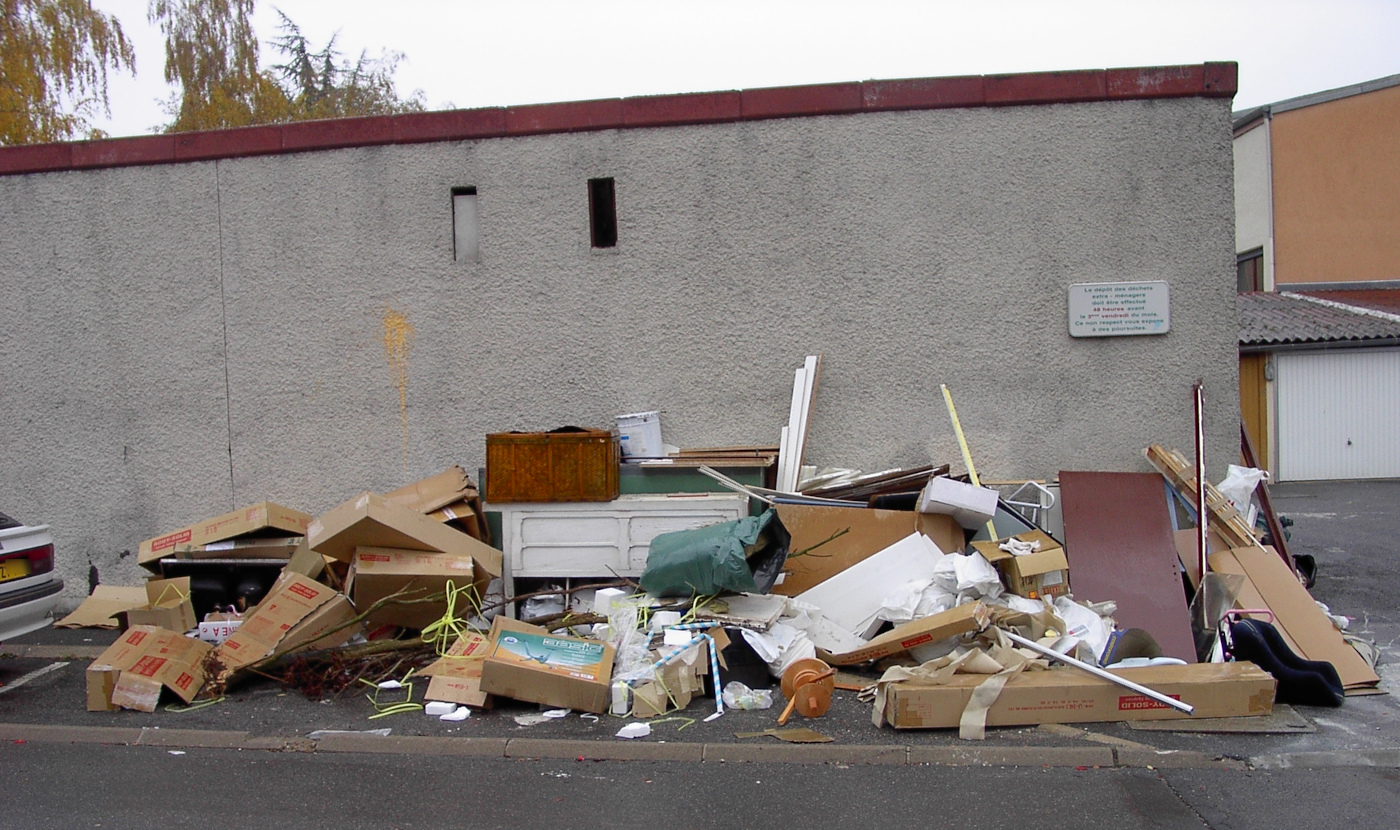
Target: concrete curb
[1385, 758]
[1083, 757]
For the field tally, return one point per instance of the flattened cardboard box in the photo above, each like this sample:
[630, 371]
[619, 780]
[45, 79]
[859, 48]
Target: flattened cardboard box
[376, 573]
[100, 609]
[429, 494]
[1217, 690]
[1042, 573]
[275, 626]
[280, 547]
[835, 538]
[972, 616]
[168, 606]
[369, 520]
[1270, 584]
[143, 660]
[456, 677]
[528, 663]
[254, 518]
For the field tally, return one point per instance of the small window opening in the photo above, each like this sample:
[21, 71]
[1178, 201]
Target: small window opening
[1249, 270]
[466, 232]
[602, 213]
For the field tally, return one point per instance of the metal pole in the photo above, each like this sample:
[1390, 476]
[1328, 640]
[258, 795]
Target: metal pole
[1098, 672]
[1202, 533]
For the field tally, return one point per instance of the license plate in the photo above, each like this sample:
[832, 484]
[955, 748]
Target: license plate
[13, 569]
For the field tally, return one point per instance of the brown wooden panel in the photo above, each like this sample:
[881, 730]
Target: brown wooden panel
[1118, 539]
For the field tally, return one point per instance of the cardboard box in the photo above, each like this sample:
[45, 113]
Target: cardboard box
[369, 520]
[132, 671]
[468, 516]
[1189, 552]
[218, 626]
[257, 518]
[306, 562]
[1067, 695]
[456, 677]
[429, 494]
[1044, 573]
[277, 547]
[972, 616]
[285, 620]
[101, 608]
[828, 540]
[376, 573]
[970, 505]
[853, 598]
[1271, 584]
[528, 663]
[677, 683]
[167, 606]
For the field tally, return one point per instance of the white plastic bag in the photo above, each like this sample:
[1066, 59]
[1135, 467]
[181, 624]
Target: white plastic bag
[1083, 623]
[1239, 486]
[738, 696]
[976, 575]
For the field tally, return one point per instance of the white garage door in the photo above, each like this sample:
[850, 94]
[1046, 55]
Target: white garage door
[1339, 414]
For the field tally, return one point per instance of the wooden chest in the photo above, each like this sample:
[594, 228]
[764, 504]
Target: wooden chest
[569, 464]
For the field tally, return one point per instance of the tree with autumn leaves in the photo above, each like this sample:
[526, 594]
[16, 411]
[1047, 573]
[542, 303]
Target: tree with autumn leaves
[55, 56]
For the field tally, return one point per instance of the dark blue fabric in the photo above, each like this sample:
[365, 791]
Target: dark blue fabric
[1305, 682]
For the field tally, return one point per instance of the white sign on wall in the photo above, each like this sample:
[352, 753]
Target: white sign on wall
[1119, 309]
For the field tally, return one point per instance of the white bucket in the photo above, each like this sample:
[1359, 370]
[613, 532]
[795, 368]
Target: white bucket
[640, 435]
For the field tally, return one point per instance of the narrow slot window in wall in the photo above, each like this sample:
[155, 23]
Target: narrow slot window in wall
[466, 231]
[602, 213]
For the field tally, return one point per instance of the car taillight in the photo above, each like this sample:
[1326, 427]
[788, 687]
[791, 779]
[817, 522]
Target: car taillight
[40, 558]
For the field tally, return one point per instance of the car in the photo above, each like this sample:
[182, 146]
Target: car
[29, 585]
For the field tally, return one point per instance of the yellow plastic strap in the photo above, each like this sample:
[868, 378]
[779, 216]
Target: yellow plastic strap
[443, 632]
[202, 704]
[684, 721]
[395, 707]
[966, 453]
[171, 586]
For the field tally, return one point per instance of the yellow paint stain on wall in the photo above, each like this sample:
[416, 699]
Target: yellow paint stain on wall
[398, 338]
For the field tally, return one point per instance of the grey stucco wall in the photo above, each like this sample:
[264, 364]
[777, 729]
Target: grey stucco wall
[195, 337]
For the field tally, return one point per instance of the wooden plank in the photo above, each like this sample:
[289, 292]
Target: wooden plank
[1119, 543]
[787, 463]
[1266, 503]
[1181, 474]
[813, 368]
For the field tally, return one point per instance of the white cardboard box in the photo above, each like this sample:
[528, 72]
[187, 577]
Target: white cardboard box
[971, 506]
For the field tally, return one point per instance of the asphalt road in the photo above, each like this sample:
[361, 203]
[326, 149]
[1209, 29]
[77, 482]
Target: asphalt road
[1352, 754]
[60, 786]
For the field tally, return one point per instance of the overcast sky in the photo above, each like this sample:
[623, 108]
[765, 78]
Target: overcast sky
[474, 54]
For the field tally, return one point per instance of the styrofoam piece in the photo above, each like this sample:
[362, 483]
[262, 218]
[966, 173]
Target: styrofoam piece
[661, 620]
[634, 730]
[604, 598]
[459, 714]
[437, 708]
[676, 637]
[970, 506]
